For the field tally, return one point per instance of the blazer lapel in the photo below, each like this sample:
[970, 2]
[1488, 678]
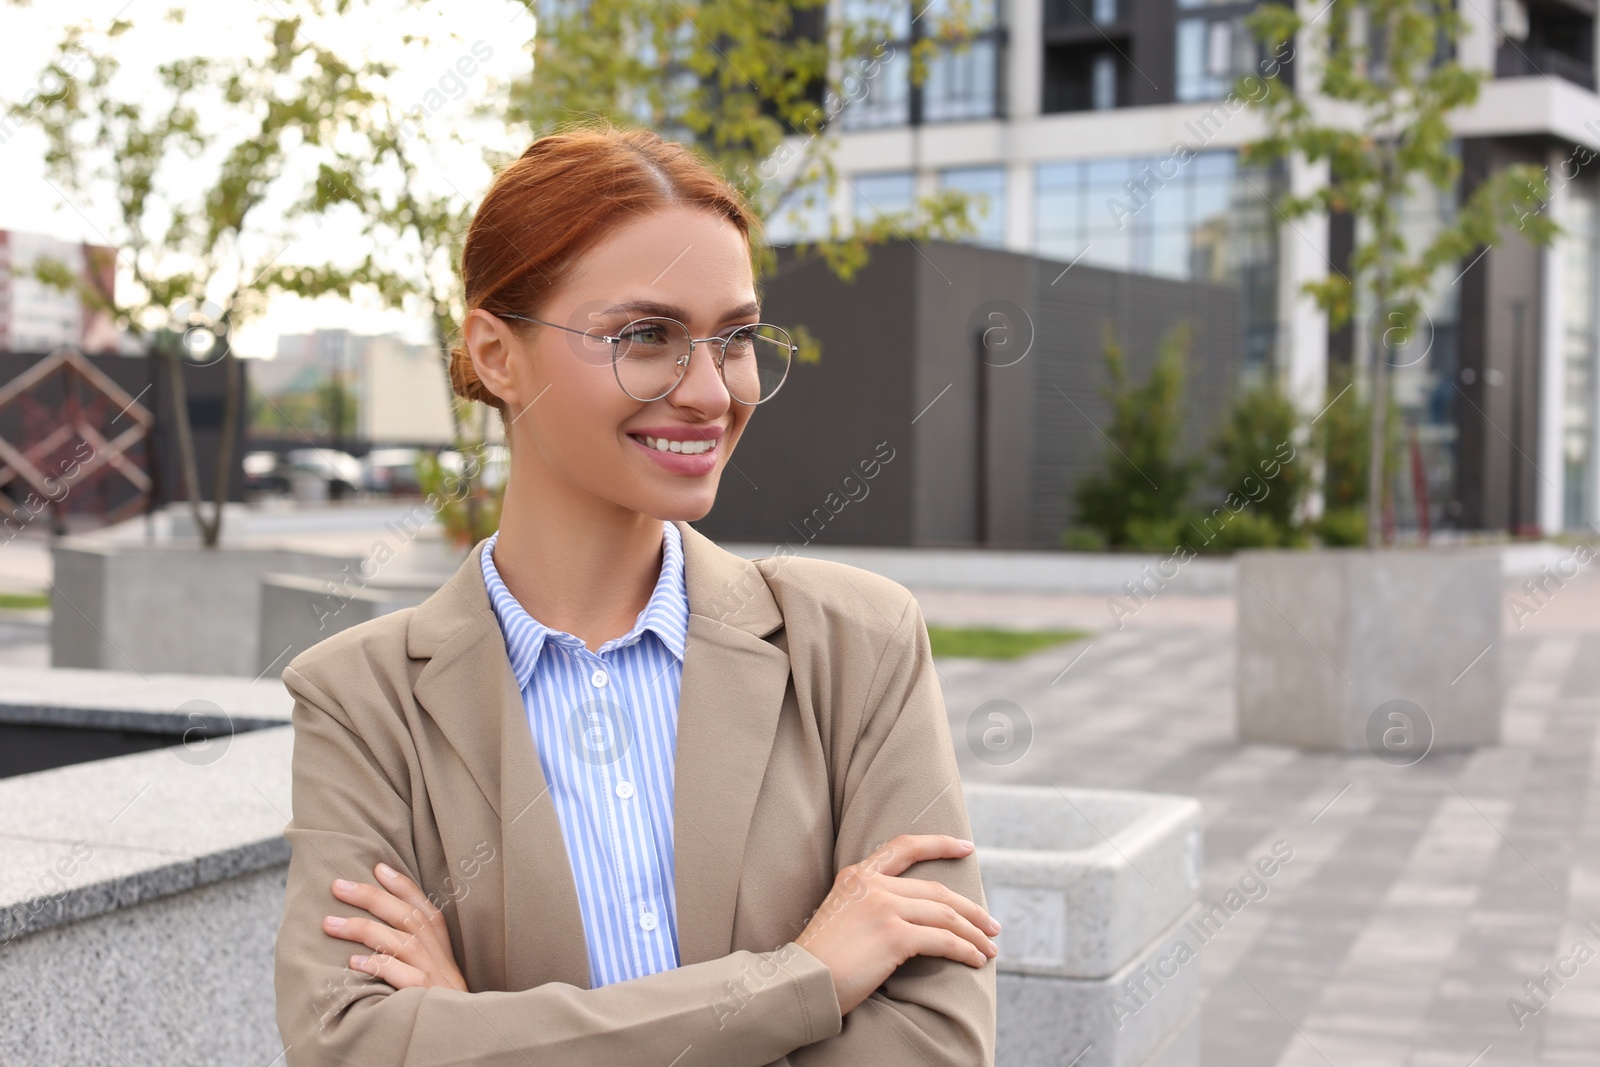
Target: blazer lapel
[469, 690]
[728, 707]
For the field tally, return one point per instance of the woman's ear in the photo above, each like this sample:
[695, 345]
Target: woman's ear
[491, 344]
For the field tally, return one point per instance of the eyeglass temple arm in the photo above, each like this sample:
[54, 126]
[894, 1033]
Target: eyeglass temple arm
[557, 325]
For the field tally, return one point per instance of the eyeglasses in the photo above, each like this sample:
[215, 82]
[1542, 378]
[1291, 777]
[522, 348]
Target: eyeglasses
[650, 357]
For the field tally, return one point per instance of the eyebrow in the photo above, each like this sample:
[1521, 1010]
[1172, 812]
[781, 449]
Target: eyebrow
[652, 307]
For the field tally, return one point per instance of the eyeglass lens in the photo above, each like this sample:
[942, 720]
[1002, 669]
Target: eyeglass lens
[650, 360]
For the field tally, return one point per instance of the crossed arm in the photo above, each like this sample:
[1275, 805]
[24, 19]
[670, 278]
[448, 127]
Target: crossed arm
[412, 1007]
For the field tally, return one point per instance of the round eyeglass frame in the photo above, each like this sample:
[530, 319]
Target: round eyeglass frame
[683, 364]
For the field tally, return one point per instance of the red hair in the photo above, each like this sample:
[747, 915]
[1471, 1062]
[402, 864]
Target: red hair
[565, 193]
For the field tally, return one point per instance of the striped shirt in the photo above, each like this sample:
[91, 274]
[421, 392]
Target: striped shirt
[606, 727]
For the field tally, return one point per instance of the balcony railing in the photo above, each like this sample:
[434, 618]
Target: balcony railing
[1524, 60]
[1063, 13]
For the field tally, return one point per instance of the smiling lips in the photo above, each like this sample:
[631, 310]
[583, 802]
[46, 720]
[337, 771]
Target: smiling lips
[684, 440]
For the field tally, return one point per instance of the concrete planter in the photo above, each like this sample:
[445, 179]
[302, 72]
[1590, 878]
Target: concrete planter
[1092, 889]
[1395, 651]
[120, 878]
[121, 865]
[167, 607]
[299, 611]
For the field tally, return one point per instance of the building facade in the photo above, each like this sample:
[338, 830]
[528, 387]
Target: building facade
[400, 391]
[36, 317]
[1101, 132]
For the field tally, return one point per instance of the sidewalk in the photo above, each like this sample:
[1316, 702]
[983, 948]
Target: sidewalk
[1419, 899]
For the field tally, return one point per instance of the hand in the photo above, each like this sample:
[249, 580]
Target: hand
[413, 949]
[873, 921]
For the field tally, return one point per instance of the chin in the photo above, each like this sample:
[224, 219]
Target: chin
[686, 507]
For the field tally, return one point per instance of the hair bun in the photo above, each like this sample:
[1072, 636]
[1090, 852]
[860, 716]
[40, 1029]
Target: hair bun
[464, 379]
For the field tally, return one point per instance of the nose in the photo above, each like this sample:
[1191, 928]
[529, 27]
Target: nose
[702, 387]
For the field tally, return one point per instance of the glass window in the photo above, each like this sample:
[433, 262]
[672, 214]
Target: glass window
[1578, 430]
[1160, 215]
[1058, 203]
[1211, 53]
[961, 83]
[1105, 82]
[884, 99]
[889, 17]
[987, 186]
[889, 193]
[979, 14]
[802, 215]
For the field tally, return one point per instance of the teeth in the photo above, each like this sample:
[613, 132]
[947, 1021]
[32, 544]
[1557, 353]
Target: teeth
[662, 444]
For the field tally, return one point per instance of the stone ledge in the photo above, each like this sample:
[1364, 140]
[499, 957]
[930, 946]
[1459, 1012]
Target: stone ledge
[126, 700]
[94, 837]
[1083, 879]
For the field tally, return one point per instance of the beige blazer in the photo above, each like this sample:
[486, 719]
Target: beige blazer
[811, 729]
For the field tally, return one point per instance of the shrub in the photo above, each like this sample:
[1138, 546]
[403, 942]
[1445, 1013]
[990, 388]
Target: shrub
[1155, 535]
[1222, 530]
[1144, 476]
[1342, 437]
[1083, 539]
[1343, 526]
[467, 516]
[1258, 459]
[1248, 529]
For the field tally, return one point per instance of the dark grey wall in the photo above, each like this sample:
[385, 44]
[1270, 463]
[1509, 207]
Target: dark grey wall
[963, 364]
[1070, 408]
[974, 314]
[796, 475]
[1497, 410]
[158, 455]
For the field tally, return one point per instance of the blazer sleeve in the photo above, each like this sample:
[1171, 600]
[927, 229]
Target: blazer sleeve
[902, 778]
[348, 814]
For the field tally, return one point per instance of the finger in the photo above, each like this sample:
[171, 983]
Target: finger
[931, 940]
[376, 936]
[927, 889]
[400, 885]
[397, 973]
[898, 853]
[934, 914]
[390, 909]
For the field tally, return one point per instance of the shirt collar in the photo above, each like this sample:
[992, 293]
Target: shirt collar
[667, 613]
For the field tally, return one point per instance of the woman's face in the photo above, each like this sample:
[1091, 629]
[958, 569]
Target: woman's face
[572, 426]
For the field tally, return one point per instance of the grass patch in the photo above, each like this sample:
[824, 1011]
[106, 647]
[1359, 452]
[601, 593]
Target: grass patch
[24, 600]
[988, 643]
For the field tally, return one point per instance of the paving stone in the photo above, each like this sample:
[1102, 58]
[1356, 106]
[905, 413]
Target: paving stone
[1420, 898]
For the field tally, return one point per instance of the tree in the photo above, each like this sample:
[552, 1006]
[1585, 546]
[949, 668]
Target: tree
[732, 77]
[1145, 479]
[1378, 112]
[192, 166]
[740, 79]
[415, 238]
[1257, 457]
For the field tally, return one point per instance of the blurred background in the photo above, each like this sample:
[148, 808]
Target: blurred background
[1222, 377]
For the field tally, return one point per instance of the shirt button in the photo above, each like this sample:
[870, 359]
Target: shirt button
[598, 679]
[624, 790]
[648, 920]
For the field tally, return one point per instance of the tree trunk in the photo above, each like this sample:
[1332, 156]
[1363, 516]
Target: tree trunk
[210, 529]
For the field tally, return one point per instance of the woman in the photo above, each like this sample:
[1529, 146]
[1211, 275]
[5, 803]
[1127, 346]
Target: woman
[614, 795]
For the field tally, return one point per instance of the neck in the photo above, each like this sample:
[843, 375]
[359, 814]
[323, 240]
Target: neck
[575, 562]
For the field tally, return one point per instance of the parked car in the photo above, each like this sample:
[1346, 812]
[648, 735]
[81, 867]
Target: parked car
[391, 470]
[496, 464]
[339, 472]
[265, 472]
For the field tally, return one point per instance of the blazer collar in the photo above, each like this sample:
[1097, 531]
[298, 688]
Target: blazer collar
[728, 706]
